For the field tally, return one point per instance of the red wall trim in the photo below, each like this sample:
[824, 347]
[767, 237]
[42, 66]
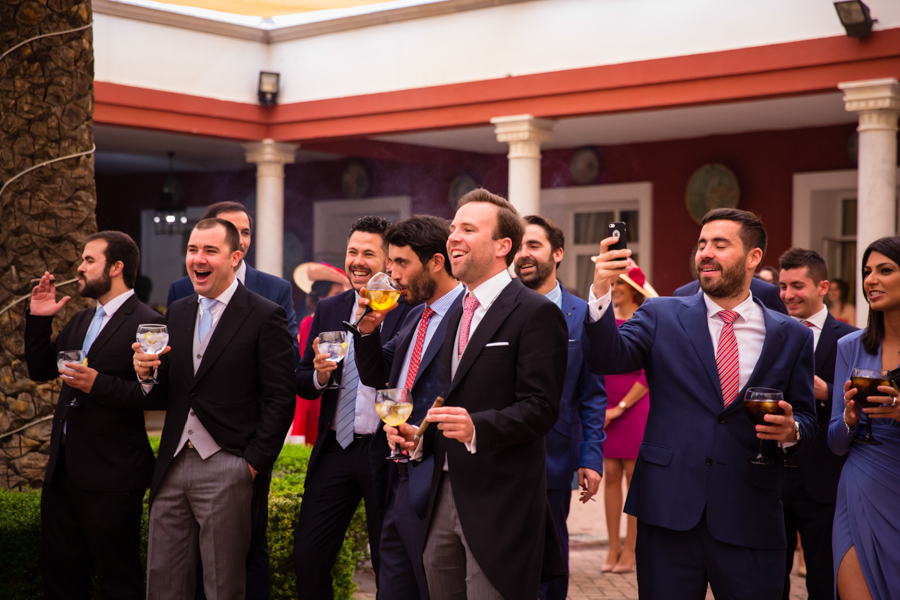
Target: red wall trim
[811, 66]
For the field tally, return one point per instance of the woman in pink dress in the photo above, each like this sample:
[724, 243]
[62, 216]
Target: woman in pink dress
[317, 280]
[626, 416]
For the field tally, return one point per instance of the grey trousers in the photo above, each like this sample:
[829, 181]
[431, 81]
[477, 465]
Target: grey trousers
[451, 570]
[201, 511]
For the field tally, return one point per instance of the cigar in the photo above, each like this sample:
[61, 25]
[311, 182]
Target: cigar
[438, 402]
[38, 280]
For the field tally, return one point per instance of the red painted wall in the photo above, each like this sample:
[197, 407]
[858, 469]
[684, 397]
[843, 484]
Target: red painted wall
[764, 163]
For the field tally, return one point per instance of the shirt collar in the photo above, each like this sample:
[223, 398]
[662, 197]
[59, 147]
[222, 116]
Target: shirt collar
[744, 309]
[442, 304]
[113, 305]
[488, 291]
[241, 273]
[225, 297]
[818, 319]
[555, 295]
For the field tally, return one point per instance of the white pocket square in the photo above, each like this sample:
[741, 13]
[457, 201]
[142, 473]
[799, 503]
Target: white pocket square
[496, 344]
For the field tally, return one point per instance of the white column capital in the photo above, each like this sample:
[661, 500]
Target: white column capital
[270, 156]
[877, 101]
[524, 134]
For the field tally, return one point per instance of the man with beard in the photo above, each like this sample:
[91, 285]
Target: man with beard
[490, 533]
[417, 248]
[706, 515]
[576, 441]
[344, 461]
[100, 460]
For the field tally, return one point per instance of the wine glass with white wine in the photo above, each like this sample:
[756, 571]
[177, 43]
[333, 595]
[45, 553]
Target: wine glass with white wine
[382, 293]
[334, 344]
[394, 406]
[153, 340]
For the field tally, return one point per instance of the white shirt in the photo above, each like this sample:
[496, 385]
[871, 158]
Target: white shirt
[749, 328]
[241, 272]
[818, 323]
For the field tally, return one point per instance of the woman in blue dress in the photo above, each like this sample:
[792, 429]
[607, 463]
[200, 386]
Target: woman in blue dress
[866, 534]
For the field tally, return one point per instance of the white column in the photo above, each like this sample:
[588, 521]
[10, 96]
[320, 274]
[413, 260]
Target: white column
[524, 134]
[877, 102]
[268, 228]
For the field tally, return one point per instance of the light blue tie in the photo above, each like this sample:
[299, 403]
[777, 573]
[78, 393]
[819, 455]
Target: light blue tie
[93, 330]
[347, 403]
[206, 319]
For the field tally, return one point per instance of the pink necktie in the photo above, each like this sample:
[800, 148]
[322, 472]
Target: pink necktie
[727, 358]
[417, 349]
[469, 306]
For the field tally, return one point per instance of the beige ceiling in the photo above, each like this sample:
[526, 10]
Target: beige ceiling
[271, 8]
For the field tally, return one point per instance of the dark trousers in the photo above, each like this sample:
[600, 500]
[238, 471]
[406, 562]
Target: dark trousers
[402, 574]
[340, 479]
[259, 576]
[678, 565]
[559, 505]
[82, 527]
[814, 521]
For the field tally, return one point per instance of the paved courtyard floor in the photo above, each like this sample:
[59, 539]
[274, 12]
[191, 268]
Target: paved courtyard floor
[587, 552]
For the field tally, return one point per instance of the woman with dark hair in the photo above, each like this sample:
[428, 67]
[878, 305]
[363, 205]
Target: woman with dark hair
[838, 297]
[866, 531]
[628, 404]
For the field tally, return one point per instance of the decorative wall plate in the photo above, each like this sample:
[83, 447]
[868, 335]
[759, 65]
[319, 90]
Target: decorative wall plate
[355, 180]
[459, 187]
[585, 166]
[711, 186]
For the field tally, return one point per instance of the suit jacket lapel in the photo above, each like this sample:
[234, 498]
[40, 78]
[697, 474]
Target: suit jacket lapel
[114, 323]
[229, 323]
[772, 345]
[180, 321]
[827, 339]
[569, 311]
[251, 279]
[694, 321]
[493, 319]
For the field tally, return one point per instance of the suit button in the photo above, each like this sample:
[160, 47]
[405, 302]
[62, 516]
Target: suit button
[721, 420]
[709, 462]
[190, 432]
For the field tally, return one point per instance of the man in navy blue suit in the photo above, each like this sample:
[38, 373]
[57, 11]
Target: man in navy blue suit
[268, 286]
[576, 441]
[346, 464]
[767, 293]
[706, 515]
[417, 248]
[809, 482]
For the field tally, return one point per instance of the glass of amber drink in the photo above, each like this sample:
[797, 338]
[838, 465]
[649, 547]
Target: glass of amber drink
[382, 293]
[759, 402]
[394, 407]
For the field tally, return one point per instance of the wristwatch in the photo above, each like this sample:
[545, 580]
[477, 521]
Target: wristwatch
[622, 405]
[797, 431]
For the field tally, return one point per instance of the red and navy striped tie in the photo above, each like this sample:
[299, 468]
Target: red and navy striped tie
[727, 358]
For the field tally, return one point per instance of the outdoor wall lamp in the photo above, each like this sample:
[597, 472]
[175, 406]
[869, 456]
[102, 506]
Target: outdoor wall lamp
[268, 88]
[855, 18]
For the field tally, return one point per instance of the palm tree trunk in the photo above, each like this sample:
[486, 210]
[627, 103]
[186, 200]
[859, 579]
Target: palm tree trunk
[46, 112]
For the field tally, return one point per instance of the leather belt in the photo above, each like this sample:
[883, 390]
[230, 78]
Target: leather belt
[362, 436]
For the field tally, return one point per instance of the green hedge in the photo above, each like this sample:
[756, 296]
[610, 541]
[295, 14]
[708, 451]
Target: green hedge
[20, 577]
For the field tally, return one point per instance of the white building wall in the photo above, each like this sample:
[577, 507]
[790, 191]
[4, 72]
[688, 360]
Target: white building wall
[516, 39]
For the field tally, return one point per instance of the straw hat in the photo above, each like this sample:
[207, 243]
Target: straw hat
[308, 273]
[636, 279]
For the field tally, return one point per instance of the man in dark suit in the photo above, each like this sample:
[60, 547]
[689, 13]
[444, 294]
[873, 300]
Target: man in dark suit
[706, 515]
[576, 441]
[767, 293]
[490, 531]
[100, 460]
[268, 286]
[344, 462]
[227, 385]
[809, 482]
[417, 248]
